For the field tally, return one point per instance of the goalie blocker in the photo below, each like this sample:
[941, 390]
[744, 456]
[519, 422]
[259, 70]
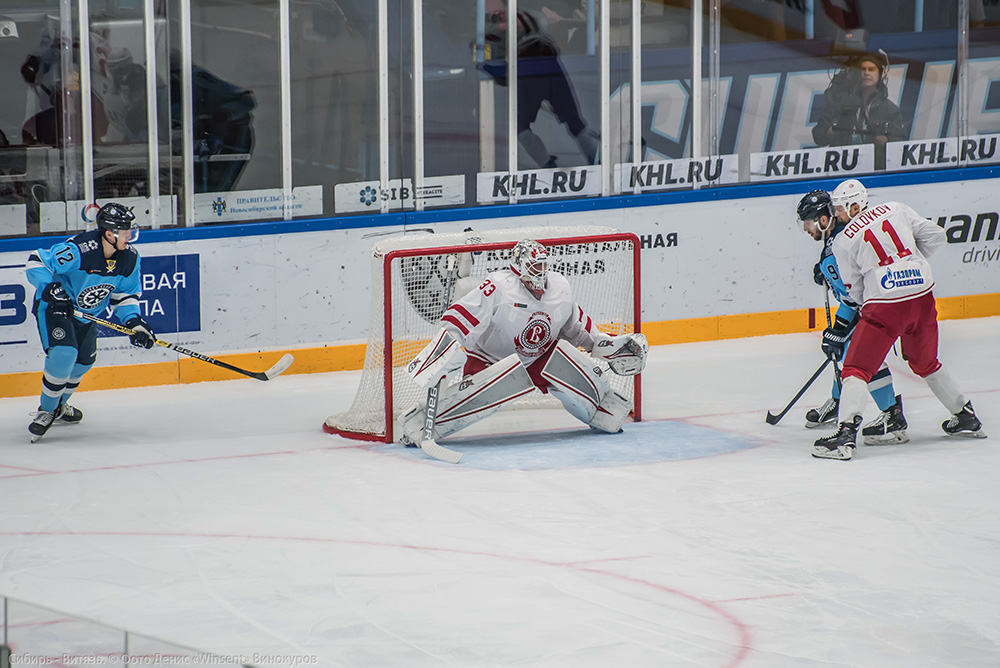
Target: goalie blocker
[572, 376]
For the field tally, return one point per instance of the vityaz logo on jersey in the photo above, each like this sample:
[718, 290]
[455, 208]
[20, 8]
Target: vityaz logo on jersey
[534, 339]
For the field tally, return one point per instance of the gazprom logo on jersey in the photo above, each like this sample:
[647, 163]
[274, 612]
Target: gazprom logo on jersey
[171, 294]
[900, 279]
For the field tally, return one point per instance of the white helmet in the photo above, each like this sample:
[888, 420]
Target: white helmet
[850, 192]
[530, 262]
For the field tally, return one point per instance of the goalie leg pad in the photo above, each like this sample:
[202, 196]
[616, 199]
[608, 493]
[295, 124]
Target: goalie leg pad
[611, 414]
[579, 383]
[470, 400]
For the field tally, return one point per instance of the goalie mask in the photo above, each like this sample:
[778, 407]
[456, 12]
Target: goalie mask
[530, 262]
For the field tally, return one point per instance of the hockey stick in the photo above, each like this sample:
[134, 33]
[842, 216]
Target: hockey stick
[829, 323]
[773, 419]
[276, 370]
[427, 443]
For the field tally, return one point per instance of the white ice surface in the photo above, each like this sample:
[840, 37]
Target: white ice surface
[220, 516]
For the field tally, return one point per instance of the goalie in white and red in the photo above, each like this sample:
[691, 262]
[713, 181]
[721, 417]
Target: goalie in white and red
[521, 329]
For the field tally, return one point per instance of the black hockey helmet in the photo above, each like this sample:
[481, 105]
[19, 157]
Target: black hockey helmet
[815, 204]
[116, 217]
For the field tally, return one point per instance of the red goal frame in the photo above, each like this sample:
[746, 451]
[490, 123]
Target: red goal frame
[387, 311]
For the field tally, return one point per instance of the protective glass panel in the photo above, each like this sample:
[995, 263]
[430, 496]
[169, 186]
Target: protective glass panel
[236, 105]
[458, 140]
[835, 89]
[40, 116]
[334, 84]
[665, 107]
[558, 88]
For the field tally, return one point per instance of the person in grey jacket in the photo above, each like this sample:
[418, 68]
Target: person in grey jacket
[857, 110]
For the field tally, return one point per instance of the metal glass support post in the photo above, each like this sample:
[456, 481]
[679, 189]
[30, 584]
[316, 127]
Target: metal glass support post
[636, 85]
[714, 79]
[918, 16]
[591, 26]
[487, 100]
[697, 25]
[187, 112]
[605, 86]
[811, 18]
[962, 102]
[418, 105]
[383, 105]
[86, 103]
[153, 128]
[71, 175]
[286, 108]
[512, 22]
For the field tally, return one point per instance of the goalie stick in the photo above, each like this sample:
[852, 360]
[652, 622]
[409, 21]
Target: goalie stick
[276, 370]
[427, 443]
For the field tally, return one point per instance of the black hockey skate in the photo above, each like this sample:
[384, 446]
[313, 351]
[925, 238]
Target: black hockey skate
[825, 414]
[841, 444]
[68, 413]
[889, 427]
[964, 423]
[43, 420]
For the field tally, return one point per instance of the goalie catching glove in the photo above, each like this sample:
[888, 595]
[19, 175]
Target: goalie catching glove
[625, 354]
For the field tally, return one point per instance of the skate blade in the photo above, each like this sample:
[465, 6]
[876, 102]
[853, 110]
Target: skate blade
[815, 425]
[969, 434]
[887, 439]
[838, 454]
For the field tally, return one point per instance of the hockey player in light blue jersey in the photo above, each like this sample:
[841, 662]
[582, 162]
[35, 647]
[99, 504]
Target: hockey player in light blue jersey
[818, 216]
[88, 273]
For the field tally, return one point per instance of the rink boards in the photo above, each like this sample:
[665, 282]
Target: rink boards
[712, 269]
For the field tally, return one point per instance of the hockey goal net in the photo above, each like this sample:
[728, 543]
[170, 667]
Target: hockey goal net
[414, 279]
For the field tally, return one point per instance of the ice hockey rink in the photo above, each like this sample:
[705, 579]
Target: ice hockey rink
[219, 516]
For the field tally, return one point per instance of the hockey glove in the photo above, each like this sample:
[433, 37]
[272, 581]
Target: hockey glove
[625, 354]
[142, 336]
[818, 276]
[835, 338]
[59, 302]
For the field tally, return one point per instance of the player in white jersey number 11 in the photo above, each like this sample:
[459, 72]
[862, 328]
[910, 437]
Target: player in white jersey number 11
[520, 329]
[882, 255]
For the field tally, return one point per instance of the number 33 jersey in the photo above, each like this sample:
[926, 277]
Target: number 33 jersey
[883, 251]
[501, 317]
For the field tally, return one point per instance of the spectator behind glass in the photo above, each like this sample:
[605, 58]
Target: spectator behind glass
[856, 108]
[541, 78]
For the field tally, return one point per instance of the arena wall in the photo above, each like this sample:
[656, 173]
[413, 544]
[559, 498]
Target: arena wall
[714, 266]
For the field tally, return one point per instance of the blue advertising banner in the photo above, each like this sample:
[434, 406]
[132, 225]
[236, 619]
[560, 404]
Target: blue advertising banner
[171, 295]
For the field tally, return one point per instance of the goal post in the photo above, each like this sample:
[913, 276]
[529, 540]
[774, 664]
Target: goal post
[413, 281]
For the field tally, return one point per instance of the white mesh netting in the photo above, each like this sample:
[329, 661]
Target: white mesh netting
[409, 300]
